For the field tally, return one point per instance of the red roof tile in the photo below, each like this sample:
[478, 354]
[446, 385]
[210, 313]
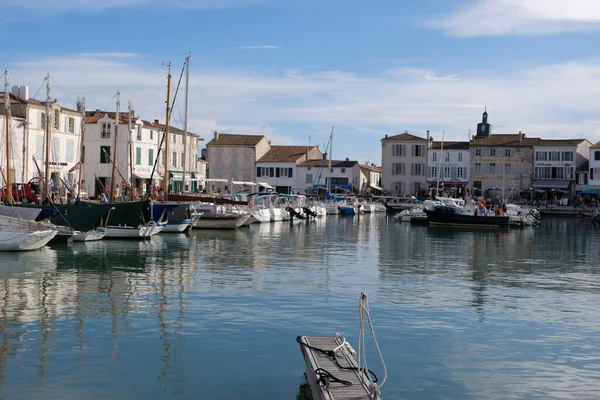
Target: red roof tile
[225, 139]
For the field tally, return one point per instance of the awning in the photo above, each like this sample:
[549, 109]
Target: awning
[590, 191]
[243, 183]
[551, 184]
[265, 185]
[176, 176]
[143, 175]
[374, 186]
[217, 180]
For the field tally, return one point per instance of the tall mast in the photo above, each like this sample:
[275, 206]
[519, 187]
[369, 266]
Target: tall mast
[166, 180]
[7, 130]
[437, 188]
[329, 168]
[114, 152]
[185, 123]
[130, 107]
[81, 146]
[47, 140]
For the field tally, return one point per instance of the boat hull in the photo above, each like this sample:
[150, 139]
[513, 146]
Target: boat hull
[177, 227]
[220, 221]
[443, 217]
[129, 232]
[89, 236]
[20, 241]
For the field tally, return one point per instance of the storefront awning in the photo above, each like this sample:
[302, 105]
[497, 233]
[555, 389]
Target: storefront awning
[590, 191]
[265, 185]
[243, 183]
[551, 184]
[143, 174]
[176, 176]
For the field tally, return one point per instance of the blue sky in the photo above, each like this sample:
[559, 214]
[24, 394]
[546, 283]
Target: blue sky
[291, 69]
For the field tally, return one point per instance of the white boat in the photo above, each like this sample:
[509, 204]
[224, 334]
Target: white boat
[144, 231]
[177, 227]
[21, 241]
[220, 221]
[89, 236]
[25, 213]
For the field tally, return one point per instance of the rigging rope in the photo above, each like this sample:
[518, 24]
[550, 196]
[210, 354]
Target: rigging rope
[363, 309]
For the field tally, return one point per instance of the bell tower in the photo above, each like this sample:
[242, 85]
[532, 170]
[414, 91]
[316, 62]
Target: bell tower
[483, 128]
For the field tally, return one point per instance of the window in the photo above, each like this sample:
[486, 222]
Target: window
[507, 169]
[447, 157]
[72, 125]
[181, 159]
[104, 154]
[460, 173]
[55, 150]
[446, 172]
[56, 119]
[477, 168]
[507, 153]
[150, 156]
[174, 160]
[70, 151]
[139, 133]
[482, 128]
[309, 178]
[343, 170]
[492, 168]
[478, 152]
[82, 154]
[138, 156]
[555, 156]
[417, 150]
[492, 152]
[309, 168]
[433, 172]
[417, 186]
[151, 134]
[567, 156]
[398, 187]
[397, 169]
[597, 155]
[173, 138]
[459, 157]
[434, 157]
[106, 130]
[416, 169]
[397, 150]
[263, 171]
[42, 120]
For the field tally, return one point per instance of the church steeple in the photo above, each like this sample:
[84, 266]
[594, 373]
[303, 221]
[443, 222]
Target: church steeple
[484, 129]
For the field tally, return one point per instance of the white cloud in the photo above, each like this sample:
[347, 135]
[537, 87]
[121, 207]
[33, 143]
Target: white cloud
[552, 101]
[261, 47]
[521, 17]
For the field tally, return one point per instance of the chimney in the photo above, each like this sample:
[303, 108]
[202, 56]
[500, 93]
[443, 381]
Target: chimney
[347, 159]
[216, 135]
[386, 136]
[427, 135]
[156, 121]
[15, 91]
[324, 156]
[521, 137]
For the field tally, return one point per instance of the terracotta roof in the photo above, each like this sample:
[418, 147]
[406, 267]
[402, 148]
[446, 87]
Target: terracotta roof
[286, 153]
[405, 136]
[450, 145]
[560, 142]
[506, 140]
[325, 163]
[15, 100]
[226, 139]
[91, 117]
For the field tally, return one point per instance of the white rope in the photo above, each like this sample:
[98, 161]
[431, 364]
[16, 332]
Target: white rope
[363, 308]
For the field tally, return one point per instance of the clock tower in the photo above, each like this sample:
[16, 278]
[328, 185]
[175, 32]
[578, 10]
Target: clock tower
[483, 128]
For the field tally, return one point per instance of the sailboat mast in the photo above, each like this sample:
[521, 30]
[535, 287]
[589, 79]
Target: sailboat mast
[47, 141]
[114, 155]
[166, 179]
[185, 123]
[130, 107]
[437, 188]
[81, 147]
[9, 192]
[329, 168]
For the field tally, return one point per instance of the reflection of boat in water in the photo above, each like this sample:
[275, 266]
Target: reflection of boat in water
[14, 264]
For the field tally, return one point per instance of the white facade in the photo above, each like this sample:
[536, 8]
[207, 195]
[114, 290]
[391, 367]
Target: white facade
[280, 175]
[28, 134]
[369, 179]
[317, 172]
[555, 163]
[594, 176]
[449, 166]
[403, 164]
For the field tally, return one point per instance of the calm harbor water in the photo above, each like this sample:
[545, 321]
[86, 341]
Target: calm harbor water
[458, 314]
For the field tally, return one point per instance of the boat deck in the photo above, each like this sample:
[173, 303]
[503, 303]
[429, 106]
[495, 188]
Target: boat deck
[316, 361]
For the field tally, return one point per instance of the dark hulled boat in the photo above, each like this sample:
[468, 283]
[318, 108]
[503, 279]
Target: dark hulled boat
[446, 215]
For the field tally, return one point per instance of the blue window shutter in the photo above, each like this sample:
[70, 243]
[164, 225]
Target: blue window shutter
[258, 172]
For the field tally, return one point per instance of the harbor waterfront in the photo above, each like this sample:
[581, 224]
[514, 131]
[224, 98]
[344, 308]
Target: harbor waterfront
[459, 313]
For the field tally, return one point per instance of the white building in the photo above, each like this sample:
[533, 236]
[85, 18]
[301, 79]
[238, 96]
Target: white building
[137, 144]
[594, 175]
[403, 164]
[28, 133]
[448, 167]
[317, 174]
[370, 177]
[278, 167]
[555, 164]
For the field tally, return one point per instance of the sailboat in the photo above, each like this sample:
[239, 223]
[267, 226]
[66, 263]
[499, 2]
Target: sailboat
[15, 233]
